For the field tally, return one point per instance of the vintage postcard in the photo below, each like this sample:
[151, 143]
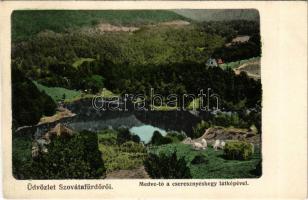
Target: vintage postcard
[154, 100]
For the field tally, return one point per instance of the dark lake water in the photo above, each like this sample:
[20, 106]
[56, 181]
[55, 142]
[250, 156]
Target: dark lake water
[141, 123]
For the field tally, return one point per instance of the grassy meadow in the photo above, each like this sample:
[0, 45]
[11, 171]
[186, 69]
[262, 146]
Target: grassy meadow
[214, 164]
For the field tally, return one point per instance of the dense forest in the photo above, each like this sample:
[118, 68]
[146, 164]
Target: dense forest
[29, 104]
[168, 59]
[28, 23]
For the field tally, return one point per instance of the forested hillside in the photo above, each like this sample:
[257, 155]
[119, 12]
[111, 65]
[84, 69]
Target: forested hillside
[29, 104]
[168, 58]
[27, 23]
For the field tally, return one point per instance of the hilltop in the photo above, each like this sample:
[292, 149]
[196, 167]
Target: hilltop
[28, 23]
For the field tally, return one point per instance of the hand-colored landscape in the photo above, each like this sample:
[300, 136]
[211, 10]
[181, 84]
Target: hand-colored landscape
[66, 63]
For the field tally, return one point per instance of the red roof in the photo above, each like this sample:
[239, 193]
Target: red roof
[219, 61]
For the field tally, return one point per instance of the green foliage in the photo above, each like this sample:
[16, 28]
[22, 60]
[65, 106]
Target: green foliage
[80, 61]
[232, 119]
[28, 103]
[235, 64]
[199, 159]
[68, 157]
[168, 59]
[232, 29]
[181, 149]
[107, 93]
[115, 159]
[194, 105]
[92, 154]
[30, 22]
[215, 165]
[21, 156]
[128, 155]
[164, 108]
[166, 166]
[132, 147]
[57, 93]
[136, 138]
[124, 135]
[151, 46]
[175, 136]
[94, 83]
[238, 150]
[258, 169]
[200, 128]
[75, 157]
[255, 118]
[158, 139]
[239, 51]
[107, 137]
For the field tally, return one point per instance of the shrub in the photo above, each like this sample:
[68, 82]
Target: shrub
[166, 166]
[135, 138]
[94, 82]
[258, 169]
[28, 103]
[238, 150]
[124, 135]
[107, 137]
[200, 128]
[132, 147]
[232, 119]
[21, 155]
[125, 156]
[175, 136]
[124, 161]
[158, 139]
[76, 157]
[199, 159]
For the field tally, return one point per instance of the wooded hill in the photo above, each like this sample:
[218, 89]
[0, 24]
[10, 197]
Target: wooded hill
[169, 58]
[28, 23]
